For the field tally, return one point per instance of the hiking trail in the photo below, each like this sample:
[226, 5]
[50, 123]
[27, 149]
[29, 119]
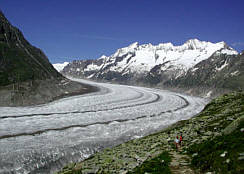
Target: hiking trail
[180, 163]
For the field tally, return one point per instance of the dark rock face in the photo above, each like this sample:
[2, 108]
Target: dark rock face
[219, 71]
[19, 60]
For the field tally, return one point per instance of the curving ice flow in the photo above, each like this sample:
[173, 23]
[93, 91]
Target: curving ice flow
[42, 139]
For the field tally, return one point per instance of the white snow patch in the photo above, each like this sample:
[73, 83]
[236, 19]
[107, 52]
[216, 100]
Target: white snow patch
[103, 57]
[90, 76]
[229, 52]
[234, 73]
[60, 66]
[194, 69]
[92, 67]
[222, 67]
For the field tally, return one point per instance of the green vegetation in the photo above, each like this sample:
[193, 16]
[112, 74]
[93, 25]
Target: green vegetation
[221, 154]
[158, 165]
[68, 169]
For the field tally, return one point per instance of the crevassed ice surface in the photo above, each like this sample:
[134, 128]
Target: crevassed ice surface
[44, 138]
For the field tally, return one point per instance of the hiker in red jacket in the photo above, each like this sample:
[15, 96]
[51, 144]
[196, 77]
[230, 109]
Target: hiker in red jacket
[181, 140]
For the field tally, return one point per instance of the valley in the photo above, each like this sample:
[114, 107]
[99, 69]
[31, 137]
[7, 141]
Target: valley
[118, 83]
[44, 138]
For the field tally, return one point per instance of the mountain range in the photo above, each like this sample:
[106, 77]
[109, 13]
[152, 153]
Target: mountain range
[196, 67]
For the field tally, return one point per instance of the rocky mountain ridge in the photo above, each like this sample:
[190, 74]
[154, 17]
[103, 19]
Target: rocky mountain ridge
[163, 65]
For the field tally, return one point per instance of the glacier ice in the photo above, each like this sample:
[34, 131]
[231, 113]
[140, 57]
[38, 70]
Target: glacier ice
[44, 138]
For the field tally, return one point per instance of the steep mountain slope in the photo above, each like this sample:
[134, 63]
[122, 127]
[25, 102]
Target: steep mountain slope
[193, 64]
[20, 61]
[26, 75]
[221, 71]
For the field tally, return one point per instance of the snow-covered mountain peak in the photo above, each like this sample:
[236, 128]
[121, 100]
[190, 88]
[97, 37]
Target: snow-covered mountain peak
[134, 45]
[165, 46]
[192, 44]
[195, 44]
[122, 51]
[141, 59]
[146, 56]
[194, 41]
[102, 57]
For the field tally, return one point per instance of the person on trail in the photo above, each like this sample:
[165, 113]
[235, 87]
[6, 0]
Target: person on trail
[181, 138]
[177, 143]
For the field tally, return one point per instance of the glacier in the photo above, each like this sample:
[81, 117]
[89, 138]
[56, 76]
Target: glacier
[44, 138]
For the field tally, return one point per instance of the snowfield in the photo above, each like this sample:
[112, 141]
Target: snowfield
[60, 66]
[44, 138]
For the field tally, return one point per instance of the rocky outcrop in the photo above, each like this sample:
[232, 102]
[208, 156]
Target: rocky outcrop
[19, 60]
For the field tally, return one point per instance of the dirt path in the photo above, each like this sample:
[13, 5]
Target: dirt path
[180, 163]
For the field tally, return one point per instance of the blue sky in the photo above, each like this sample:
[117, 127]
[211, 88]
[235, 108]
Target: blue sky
[80, 29]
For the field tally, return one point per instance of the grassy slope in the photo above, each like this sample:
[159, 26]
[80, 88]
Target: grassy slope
[202, 132]
[209, 153]
[157, 165]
